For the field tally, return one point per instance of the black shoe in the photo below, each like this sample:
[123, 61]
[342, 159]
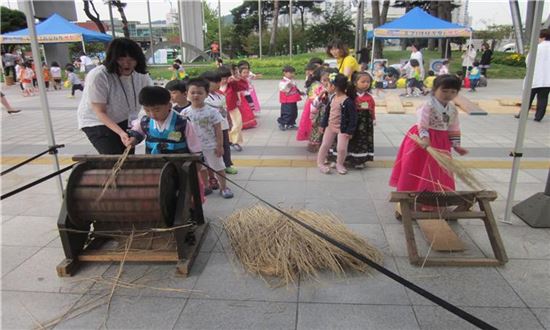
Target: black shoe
[13, 111]
[538, 120]
[516, 116]
[282, 127]
[291, 127]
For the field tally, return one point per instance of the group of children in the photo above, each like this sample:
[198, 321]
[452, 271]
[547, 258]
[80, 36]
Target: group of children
[203, 114]
[26, 75]
[338, 120]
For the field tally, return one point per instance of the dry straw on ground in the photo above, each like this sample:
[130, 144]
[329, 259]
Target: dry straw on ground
[452, 166]
[269, 244]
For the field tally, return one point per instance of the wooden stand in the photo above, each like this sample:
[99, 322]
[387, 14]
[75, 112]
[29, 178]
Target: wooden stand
[458, 205]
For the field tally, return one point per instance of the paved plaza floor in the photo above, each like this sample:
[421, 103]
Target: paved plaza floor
[218, 294]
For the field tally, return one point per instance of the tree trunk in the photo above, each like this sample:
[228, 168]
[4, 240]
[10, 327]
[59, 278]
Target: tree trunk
[120, 6]
[274, 28]
[384, 14]
[377, 47]
[434, 12]
[93, 18]
[441, 14]
[302, 17]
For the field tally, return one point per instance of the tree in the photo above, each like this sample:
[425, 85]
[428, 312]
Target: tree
[379, 18]
[336, 24]
[274, 27]
[120, 7]
[93, 17]
[304, 6]
[12, 20]
[495, 33]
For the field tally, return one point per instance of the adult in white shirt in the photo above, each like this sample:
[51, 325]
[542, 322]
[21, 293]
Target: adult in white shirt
[110, 98]
[541, 78]
[416, 54]
[86, 63]
[468, 58]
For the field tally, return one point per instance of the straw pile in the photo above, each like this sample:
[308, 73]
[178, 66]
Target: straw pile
[452, 166]
[111, 180]
[269, 244]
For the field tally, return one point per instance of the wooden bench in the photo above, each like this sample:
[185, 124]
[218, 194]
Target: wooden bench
[456, 205]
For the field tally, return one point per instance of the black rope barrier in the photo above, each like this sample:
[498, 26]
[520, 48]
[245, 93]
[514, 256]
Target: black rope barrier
[52, 150]
[34, 183]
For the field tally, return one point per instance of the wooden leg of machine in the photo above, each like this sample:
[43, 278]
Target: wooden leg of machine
[409, 232]
[191, 250]
[492, 232]
[72, 241]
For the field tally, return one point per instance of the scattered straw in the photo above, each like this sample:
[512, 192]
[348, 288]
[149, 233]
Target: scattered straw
[270, 245]
[111, 180]
[452, 166]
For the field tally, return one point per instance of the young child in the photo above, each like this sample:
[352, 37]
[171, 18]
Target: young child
[178, 94]
[55, 71]
[339, 121]
[216, 100]
[474, 75]
[164, 131]
[27, 75]
[429, 81]
[414, 78]
[289, 96]
[250, 94]
[74, 80]
[379, 73]
[230, 86]
[181, 74]
[444, 68]
[361, 145]
[246, 103]
[312, 83]
[318, 107]
[46, 74]
[437, 125]
[207, 123]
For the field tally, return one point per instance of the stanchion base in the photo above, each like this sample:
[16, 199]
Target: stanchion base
[534, 211]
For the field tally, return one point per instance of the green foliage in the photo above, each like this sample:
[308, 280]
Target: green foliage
[336, 25]
[11, 20]
[75, 48]
[511, 59]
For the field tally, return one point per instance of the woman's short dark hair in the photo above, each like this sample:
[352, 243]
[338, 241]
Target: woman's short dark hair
[54, 63]
[151, 96]
[545, 34]
[199, 82]
[447, 81]
[122, 47]
[414, 63]
[212, 76]
[337, 43]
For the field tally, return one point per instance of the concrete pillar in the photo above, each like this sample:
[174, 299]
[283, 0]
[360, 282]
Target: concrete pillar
[67, 9]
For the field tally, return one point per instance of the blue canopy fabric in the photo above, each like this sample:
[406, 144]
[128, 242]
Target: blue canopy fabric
[419, 24]
[55, 29]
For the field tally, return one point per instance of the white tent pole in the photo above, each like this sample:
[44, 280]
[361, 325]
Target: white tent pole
[83, 44]
[528, 83]
[260, 27]
[446, 48]
[372, 52]
[41, 85]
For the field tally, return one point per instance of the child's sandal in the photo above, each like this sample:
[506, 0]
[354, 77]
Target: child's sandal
[324, 169]
[213, 182]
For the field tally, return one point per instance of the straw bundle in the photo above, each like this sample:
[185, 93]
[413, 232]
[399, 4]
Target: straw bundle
[111, 180]
[452, 166]
[269, 244]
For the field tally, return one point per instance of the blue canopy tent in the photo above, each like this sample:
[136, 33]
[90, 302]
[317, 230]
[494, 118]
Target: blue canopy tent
[55, 29]
[419, 24]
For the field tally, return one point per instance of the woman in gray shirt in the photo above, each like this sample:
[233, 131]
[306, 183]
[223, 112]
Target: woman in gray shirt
[110, 98]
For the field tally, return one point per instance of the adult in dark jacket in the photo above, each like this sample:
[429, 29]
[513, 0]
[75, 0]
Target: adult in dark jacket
[486, 57]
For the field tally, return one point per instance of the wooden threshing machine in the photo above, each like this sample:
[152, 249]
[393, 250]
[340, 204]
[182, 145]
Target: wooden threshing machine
[153, 214]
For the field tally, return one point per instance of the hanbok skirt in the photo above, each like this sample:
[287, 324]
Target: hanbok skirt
[416, 170]
[361, 145]
[248, 117]
[304, 128]
[316, 137]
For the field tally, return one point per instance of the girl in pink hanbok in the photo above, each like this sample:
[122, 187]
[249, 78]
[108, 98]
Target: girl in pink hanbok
[438, 127]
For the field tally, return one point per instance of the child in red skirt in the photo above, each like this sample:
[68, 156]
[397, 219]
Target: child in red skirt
[438, 127]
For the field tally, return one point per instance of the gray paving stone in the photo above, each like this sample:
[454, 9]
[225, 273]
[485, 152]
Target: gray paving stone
[519, 242]
[278, 174]
[153, 279]
[530, 279]
[13, 256]
[26, 310]
[344, 316]
[278, 191]
[353, 177]
[385, 211]
[130, 313]
[237, 284]
[38, 274]
[335, 190]
[29, 231]
[480, 287]
[503, 175]
[543, 315]
[234, 314]
[355, 288]
[348, 210]
[501, 318]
